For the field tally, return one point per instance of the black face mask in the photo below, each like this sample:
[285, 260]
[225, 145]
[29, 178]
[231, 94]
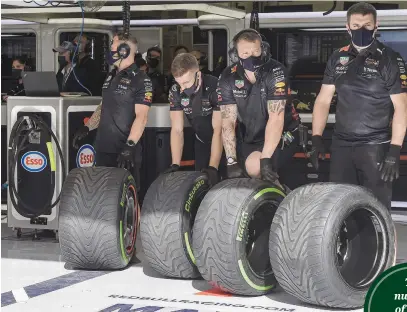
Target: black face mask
[191, 90]
[16, 73]
[153, 62]
[252, 63]
[62, 61]
[362, 37]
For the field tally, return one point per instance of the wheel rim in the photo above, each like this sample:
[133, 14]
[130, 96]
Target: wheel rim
[361, 248]
[257, 242]
[130, 219]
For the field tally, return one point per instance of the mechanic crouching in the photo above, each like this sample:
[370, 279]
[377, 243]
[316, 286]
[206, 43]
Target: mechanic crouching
[370, 79]
[194, 95]
[122, 115]
[254, 90]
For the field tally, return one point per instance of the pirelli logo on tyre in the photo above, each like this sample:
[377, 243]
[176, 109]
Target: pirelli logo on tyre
[192, 194]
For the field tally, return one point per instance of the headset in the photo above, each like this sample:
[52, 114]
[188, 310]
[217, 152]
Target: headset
[265, 47]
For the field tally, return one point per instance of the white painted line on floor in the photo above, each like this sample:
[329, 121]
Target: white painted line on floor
[20, 295]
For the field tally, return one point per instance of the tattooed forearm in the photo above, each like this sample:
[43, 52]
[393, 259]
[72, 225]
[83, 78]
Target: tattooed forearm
[93, 121]
[229, 115]
[276, 106]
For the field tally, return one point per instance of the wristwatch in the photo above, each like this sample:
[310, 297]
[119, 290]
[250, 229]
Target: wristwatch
[231, 161]
[130, 143]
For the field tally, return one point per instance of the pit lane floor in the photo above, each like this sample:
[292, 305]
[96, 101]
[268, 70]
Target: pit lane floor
[34, 279]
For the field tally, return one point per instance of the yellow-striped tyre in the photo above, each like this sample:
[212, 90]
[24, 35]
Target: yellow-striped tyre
[231, 235]
[167, 216]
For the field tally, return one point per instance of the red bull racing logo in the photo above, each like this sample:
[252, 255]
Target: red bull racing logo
[86, 156]
[34, 161]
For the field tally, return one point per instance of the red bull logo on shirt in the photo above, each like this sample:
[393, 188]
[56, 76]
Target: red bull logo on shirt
[34, 161]
[86, 156]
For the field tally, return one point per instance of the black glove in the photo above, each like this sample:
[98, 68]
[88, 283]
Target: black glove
[266, 170]
[317, 149]
[172, 168]
[234, 171]
[80, 134]
[127, 157]
[391, 164]
[213, 175]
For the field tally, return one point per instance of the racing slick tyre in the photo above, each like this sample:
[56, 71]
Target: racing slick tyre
[328, 242]
[168, 214]
[231, 233]
[98, 218]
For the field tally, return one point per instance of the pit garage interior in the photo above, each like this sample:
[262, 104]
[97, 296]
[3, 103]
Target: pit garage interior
[35, 275]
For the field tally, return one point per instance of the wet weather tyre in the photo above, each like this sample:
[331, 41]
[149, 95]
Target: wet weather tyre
[329, 241]
[231, 233]
[98, 218]
[168, 213]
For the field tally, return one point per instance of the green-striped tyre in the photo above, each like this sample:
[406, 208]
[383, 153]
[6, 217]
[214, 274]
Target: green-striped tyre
[231, 234]
[167, 217]
[98, 218]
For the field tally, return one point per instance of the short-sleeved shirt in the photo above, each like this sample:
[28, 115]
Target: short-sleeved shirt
[272, 83]
[199, 107]
[120, 92]
[364, 82]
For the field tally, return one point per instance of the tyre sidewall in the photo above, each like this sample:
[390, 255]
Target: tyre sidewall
[260, 195]
[189, 208]
[341, 210]
[127, 182]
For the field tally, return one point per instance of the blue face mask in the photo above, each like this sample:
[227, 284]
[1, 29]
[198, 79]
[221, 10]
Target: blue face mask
[252, 63]
[110, 57]
[362, 37]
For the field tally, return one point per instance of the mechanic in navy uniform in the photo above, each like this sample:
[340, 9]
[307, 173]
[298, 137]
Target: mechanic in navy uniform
[370, 79]
[194, 94]
[254, 91]
[122, 115]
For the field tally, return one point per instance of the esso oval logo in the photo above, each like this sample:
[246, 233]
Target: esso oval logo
[34, 161]
[86, 156]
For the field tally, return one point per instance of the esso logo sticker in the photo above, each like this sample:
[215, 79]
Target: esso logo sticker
[34, 161]
[85, 156]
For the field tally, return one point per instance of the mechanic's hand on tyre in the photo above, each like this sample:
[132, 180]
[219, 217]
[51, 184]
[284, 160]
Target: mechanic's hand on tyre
[80, 134]
[389, 168]
[234, 171]
[213, 175]
[318, 149]
[267, 173]
[172, 168]
[127, 157]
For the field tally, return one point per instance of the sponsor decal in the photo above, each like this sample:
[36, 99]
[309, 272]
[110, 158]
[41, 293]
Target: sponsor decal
[279, 84]
[344, 48]
[239, 83]
[279, 73]
[276, 69]
[185, 102]
[370, 70]
[125, 307]
[192, 194]
[244, 220]
[344, 60]
[85, 156]
[125, 81]
[148, 97]
[34, 161]
[174, 88]
[403, 77]
[234, 69]
[370, 61]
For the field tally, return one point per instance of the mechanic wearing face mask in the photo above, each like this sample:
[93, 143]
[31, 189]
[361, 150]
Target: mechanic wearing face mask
[158, 79]
[194, 95]
[19, 66]
[254, 90]
[122, 115]
[65, 76]
[370, 79]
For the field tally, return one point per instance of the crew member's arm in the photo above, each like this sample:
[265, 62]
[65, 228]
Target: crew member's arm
[94, 120]
[142, 98]
[277, 94]
[217, 146]
[396, 82]
[228, 109]
[323, 100]
[177, 125]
